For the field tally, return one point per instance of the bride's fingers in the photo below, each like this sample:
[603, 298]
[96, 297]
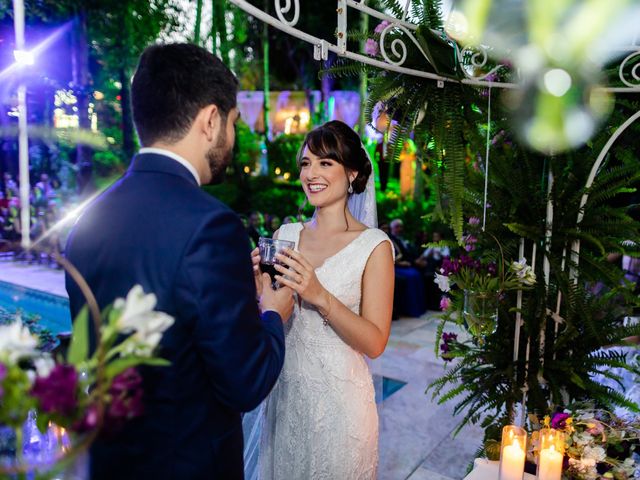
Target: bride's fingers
[299, 258]
[297, 277]
[287, 283]
[291, 263]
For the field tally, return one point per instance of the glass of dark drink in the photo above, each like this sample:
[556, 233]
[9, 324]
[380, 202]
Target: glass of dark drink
[268, 248]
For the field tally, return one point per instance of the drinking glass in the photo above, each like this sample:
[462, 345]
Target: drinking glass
[268, 248]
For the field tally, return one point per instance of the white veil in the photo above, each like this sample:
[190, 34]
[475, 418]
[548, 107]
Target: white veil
[363, 208]
[363, 205]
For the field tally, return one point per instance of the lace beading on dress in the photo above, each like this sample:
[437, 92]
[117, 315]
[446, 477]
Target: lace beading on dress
[320, 419]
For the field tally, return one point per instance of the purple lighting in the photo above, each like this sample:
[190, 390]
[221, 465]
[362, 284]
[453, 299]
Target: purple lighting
[23, 57]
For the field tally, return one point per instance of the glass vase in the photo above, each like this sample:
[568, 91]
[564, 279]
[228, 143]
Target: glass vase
[480, 311]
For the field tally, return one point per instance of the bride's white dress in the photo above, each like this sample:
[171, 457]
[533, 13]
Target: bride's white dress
[320, 419]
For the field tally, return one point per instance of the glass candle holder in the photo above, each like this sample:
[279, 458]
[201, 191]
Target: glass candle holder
[551, 454]
[512, 453]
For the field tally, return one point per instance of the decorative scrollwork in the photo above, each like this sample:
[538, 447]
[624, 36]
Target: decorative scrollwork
[281, 11]
[475, 58]
[398, 46]
[632, 79]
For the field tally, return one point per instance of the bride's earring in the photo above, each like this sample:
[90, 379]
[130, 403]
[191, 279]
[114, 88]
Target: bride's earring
[350, 189]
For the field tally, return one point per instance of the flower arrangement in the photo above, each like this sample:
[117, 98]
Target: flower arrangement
[87, 392]
[480, 286]
[598, 444]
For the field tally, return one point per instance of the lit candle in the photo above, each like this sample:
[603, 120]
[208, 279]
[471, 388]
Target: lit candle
[550, 464]
[512, 462]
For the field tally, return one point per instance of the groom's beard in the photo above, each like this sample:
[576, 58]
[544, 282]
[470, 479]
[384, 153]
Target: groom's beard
[219, 158]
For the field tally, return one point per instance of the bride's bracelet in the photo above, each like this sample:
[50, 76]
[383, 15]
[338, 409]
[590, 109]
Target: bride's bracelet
[325, 316]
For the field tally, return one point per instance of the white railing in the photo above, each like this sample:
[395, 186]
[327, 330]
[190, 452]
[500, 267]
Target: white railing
[394, 48]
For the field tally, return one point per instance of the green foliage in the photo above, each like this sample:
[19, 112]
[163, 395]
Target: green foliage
[484, 380]
[283, 151]
[260, 193]
[79, 347]
[108, 163]
[412, 213]
[248, 148]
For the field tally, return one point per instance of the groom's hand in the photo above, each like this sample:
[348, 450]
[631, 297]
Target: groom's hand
[257, 273]
[280, 300]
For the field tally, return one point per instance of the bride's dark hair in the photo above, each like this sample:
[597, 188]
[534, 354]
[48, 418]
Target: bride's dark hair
[337, 141]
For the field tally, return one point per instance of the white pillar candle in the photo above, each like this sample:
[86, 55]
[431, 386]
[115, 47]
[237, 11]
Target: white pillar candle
[512, 462]
[550, 464]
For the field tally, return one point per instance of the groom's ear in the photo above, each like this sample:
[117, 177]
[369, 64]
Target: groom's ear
[210, 121]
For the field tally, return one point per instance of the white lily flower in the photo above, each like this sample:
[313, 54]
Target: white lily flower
[139, 317]
[16, 341]
[134, 310]
[444, 284]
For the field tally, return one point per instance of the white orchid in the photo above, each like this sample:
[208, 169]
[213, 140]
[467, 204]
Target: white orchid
[524, 272]
[44, 365]
[443, 282]
[137, 315]
[16, 341]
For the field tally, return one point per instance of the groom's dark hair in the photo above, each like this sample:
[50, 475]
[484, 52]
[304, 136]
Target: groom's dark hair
[172, 83]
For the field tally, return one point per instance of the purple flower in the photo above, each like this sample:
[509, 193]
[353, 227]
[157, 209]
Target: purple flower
[474, 221]
[492, 268]
[449, 266]
[445, 303]
[371, 47]
[559, 420]
[467, 262]
[444, 347]
[57, 392]
[381, 26]
[126, 398]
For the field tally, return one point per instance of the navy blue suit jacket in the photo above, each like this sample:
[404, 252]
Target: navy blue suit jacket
[156, 228]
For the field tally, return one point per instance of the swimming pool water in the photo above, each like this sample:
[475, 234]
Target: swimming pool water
[389, 387]
[52, 309]
[54, 315]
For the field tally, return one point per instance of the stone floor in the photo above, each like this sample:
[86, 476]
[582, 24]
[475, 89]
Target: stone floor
[416, 440]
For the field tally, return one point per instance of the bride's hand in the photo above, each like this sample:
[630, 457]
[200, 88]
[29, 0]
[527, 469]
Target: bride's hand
[298, 274]
[257, 274]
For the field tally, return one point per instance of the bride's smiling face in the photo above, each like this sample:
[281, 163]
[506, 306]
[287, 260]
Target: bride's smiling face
[324, 180]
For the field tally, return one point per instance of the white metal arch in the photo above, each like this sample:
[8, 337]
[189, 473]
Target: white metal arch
[575, 247]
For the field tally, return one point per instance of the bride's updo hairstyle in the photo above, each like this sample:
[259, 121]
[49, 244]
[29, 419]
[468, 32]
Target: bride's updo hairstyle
[337, 141]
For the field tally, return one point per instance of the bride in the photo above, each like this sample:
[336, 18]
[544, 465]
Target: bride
[320, 420]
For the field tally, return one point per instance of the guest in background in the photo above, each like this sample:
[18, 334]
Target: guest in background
[274, 224]
[256, 227]
[409, 297]
[405, 251]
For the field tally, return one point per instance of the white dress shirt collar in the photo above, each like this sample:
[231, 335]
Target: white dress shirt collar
[174, 156]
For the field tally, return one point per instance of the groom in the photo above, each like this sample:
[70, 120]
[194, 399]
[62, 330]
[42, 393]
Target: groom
[157, 228]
